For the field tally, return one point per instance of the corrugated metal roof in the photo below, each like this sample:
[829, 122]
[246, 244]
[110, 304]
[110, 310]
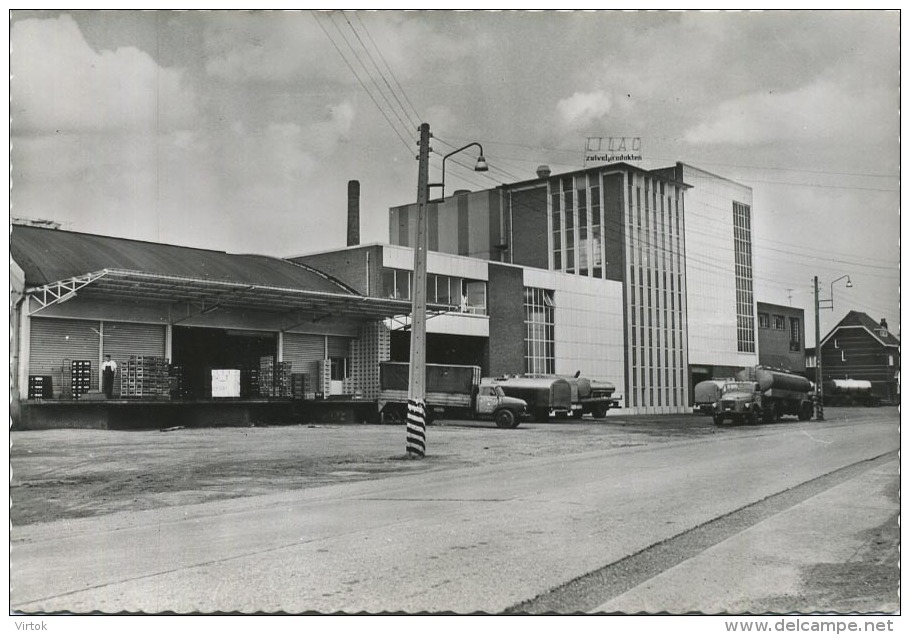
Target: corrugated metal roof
[49, 255]
[60, 264]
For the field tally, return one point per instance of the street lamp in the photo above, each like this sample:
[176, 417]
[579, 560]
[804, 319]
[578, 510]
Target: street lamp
[828, 304]
[480, 166]
[417, 407]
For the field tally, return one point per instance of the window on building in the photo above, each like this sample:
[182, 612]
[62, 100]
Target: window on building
[540, 356]
[780, 324]
[890, 360]
[795, 335]
[476, 296]
[764, 321]
[742, 251]
[340, 368]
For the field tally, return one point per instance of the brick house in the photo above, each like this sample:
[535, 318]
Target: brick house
[861, 348]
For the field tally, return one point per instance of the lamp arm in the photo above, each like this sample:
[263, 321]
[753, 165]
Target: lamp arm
[442, 183]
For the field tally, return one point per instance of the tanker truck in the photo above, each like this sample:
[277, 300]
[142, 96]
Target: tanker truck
[588, 396]
[849, 392]
[707, 393]
[764, 394]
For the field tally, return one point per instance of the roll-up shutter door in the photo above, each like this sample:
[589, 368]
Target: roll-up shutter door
[55, 341]
[124, 339]
[304, 351]
[339, 346]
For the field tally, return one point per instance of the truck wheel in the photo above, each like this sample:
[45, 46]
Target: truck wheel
[769, 414]
[542, 415]
[754, 417]
[718, 420]
[600, 411]
[505, 418]
[578, 414]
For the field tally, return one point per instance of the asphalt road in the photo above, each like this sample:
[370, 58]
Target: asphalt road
[540, 519]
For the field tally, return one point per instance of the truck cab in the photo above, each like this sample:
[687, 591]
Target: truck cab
[493, 403]
[740, 402]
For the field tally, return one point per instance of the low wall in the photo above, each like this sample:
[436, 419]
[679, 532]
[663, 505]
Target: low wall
[144, 415]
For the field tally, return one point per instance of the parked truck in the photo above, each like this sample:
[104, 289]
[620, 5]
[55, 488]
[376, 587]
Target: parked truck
[453, 391]
[546, 395]
[849, 392]
[707, 393]
[764, 394]
[588, 396]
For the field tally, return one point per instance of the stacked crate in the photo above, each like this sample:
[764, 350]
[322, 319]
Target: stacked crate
[301, 386]
[266, 375]
[283, 386]
[176, 382]
[80, 377]
[249, 382]
[367, 351]
[145, 377]
[40, 387]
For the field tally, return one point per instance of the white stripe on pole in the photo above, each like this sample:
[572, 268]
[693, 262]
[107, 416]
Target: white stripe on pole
[417, 427]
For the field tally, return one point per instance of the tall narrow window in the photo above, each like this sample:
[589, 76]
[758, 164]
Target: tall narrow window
[794, 335]
[742, 250]
[540, 354]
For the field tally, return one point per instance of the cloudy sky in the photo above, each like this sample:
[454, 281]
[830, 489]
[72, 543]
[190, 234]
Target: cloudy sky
[240, 131]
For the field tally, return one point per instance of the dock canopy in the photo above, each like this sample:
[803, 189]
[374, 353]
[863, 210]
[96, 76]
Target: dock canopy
[59, 265]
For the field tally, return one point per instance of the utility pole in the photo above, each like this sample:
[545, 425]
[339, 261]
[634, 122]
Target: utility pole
[819, 390]
[417, 408]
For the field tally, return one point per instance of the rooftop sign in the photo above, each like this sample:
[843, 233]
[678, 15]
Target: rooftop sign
[612, 149]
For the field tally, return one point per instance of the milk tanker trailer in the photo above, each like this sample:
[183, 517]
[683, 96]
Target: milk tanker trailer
[765, 394]
[849, 392]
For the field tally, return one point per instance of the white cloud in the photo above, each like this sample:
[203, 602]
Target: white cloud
[582, 109]
[820, 111]
[59, 83]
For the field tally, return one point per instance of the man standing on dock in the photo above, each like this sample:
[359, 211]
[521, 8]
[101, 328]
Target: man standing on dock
[108, 370]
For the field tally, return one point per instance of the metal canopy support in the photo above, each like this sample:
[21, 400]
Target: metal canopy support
[62, 290]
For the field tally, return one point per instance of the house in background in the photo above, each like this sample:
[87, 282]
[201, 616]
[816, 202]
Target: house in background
[782, 337]
[861, 348]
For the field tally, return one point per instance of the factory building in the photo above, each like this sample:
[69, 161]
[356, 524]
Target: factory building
[184, 326]
[642, 278]
[668, 250]
[782, 337]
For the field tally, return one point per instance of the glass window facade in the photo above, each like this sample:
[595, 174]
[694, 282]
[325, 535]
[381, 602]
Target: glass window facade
[656, 307]
[576, 225]
[470, 296]
[742, 251]
[540, 348]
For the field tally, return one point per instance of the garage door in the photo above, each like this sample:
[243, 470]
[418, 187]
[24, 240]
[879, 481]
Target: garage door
[55, 343]
[304, 351]
[123, 340]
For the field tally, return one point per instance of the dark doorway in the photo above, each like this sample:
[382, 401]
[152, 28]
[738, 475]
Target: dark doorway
[198, 350]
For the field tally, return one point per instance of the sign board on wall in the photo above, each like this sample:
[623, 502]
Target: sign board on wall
[225, 382]
[612, 149]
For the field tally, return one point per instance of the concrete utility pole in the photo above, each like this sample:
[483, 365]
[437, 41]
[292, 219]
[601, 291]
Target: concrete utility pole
[819, 390]
[417, 408]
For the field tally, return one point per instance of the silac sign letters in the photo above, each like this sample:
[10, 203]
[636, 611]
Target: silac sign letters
[612, 149]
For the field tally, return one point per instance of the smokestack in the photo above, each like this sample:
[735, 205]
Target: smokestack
[353, 213]
[543, 171]
[884, 324]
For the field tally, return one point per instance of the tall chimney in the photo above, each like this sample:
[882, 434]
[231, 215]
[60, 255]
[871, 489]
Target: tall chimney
[884, 324]
[353, 213]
